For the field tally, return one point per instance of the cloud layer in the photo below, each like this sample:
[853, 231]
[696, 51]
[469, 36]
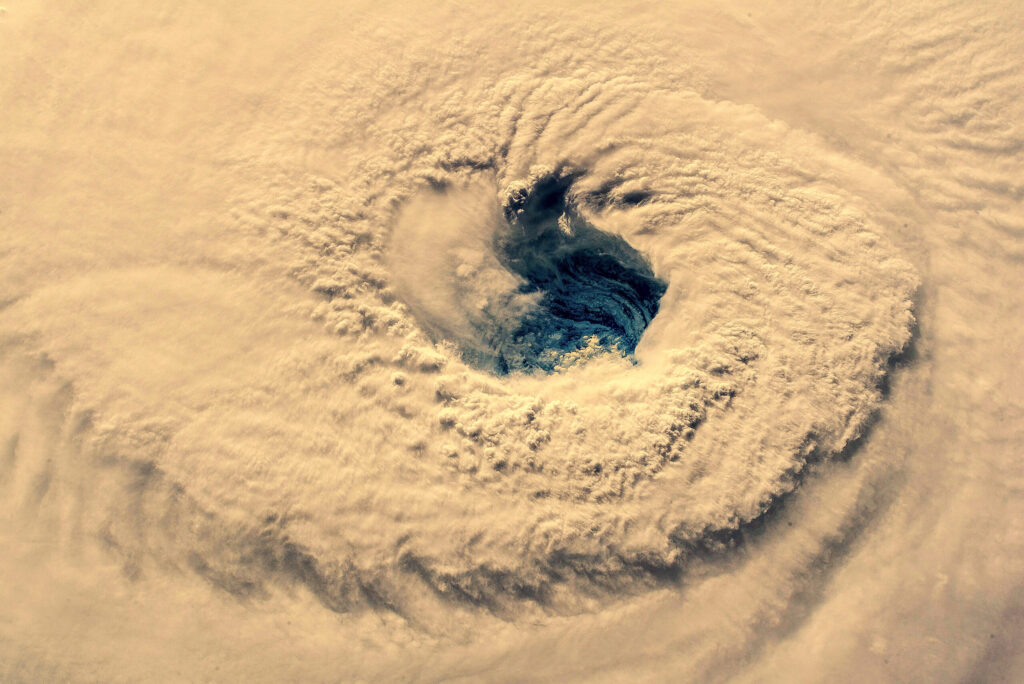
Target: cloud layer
[330, 342]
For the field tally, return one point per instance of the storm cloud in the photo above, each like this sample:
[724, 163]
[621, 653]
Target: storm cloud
[549, 343]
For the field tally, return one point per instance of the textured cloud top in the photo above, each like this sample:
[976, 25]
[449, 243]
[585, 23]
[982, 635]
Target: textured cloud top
[435, 341]
[781, 311]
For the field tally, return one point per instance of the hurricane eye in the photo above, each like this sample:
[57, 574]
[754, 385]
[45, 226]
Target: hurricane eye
[524, 282]
[596, 293]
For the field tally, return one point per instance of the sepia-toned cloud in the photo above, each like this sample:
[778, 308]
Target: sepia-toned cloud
[540, 343]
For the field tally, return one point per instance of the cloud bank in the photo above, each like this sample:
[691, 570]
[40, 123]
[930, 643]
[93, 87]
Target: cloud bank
[598, 349]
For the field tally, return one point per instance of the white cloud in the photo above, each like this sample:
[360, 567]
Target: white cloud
[242, 268]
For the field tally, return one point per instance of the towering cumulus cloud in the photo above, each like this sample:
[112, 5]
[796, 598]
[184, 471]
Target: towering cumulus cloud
[668, 343]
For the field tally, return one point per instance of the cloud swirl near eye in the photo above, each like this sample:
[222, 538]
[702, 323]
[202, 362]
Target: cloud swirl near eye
[562, 362]
[568, 292]
[635, 447]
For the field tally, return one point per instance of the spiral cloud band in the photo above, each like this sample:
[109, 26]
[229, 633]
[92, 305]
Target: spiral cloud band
[550, 343]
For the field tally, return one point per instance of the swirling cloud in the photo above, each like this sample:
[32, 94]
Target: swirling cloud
[460, 348]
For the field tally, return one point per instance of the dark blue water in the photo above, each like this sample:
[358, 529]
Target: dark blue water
[592, 285]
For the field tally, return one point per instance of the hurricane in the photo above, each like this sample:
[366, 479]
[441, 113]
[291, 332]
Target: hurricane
[547, 342]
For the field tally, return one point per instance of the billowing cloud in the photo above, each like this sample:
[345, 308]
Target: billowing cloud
[526, 344]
